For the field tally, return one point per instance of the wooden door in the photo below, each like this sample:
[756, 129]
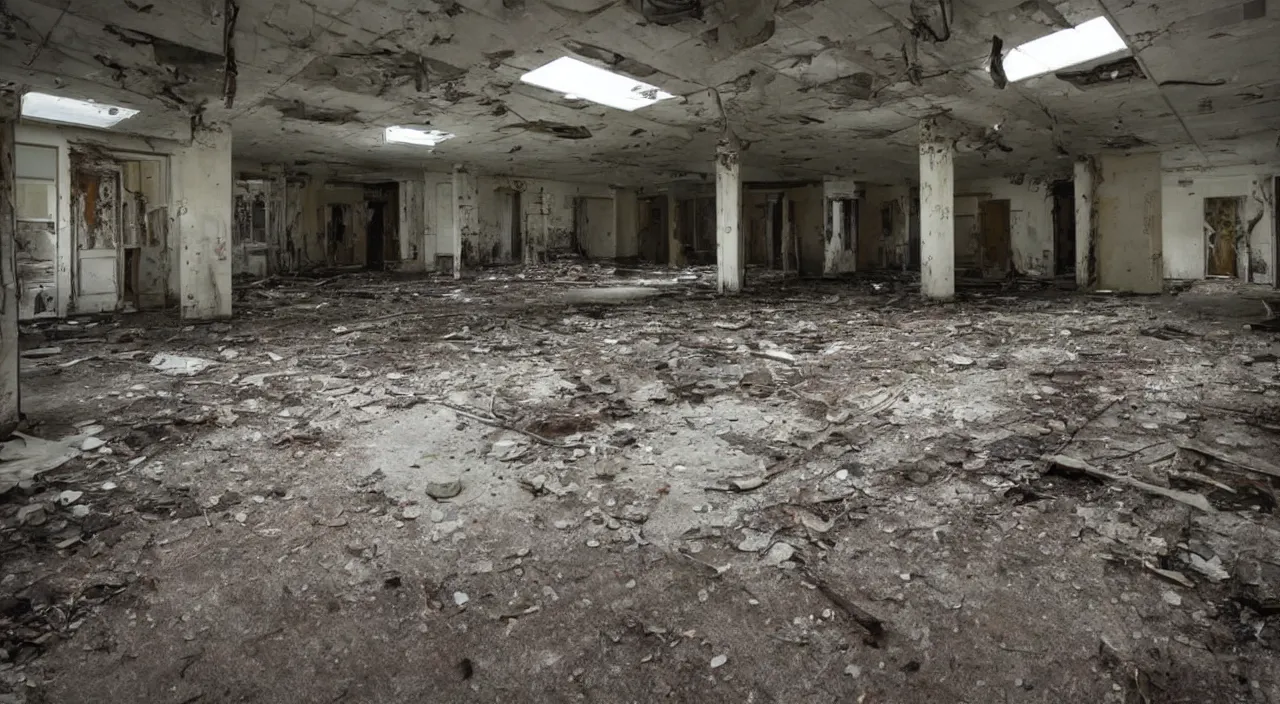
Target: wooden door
[994, 217]
[1221, 233]
[95, 215]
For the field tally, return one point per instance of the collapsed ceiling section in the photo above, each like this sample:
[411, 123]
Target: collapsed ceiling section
[813, 87]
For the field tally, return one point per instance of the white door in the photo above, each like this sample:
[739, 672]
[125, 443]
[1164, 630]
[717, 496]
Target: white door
[95, 214]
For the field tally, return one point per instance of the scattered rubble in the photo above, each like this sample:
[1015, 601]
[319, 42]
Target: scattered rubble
[819, 470]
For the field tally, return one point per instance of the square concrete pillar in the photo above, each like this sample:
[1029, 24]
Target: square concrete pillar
[1086, 224]
[9, 396]
[728, 216]
[202, 180]
[937, 216]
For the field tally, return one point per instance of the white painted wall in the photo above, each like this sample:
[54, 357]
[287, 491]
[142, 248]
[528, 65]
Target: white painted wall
[1182, 213]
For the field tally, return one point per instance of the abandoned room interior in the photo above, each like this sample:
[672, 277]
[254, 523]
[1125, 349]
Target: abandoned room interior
[633, 350]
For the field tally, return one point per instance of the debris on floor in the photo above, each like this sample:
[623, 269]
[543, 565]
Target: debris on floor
[659, 493]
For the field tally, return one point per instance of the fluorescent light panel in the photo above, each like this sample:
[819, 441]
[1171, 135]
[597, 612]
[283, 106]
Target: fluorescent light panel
[1086, 42]
[415, 135]
[581, 80]
[54, 108]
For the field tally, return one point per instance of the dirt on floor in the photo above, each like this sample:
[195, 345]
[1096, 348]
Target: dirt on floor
[812, 492]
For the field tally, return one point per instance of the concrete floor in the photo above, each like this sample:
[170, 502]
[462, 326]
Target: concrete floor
[814, 492]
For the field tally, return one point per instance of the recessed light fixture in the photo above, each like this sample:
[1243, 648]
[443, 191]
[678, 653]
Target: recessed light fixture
[415, 135]
[578, 80]
[72, 111]
[1092, 40]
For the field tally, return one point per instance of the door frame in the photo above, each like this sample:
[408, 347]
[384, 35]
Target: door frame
[1235, 243]
[77, 270]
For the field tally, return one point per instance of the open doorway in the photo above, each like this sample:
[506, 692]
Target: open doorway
[375, 239]
[997, 250]
[1222, 230]
[776, 203]
[654, 240]
[517, 227]
[1064, 227]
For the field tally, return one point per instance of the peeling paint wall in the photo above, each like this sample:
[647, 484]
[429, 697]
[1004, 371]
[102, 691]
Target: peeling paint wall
[883, 228]
[1182, 213]
[412, 224]
[840, 249]
[36, 239]
[250, 238]
[755, 227]
[146, 260]
[1129, 223]
[967, 239]
[626, 223]
[304, 222]
[202, 181]
[1030, 224]
[596, 231]
[546, 208]
[809, 225]
[145, 226]
[10, 394]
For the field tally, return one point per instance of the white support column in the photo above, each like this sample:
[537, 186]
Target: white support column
[9, 395]
[937, 215]
[728, 214]
[202, 194]
[465, 217]
[1086, 224]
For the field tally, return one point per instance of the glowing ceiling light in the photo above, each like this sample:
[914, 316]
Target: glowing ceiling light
[580, 80]
[72, 111]
[415, 135]
[1091, 40]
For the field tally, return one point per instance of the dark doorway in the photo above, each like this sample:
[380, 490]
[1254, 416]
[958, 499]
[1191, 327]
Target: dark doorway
[849, 224]
[775, 226]
[994, 217]
[517, 228]
[792, 238]
[375, 238]
[652, 230]
[579, 225]
[1064, 227]
[337, 232]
